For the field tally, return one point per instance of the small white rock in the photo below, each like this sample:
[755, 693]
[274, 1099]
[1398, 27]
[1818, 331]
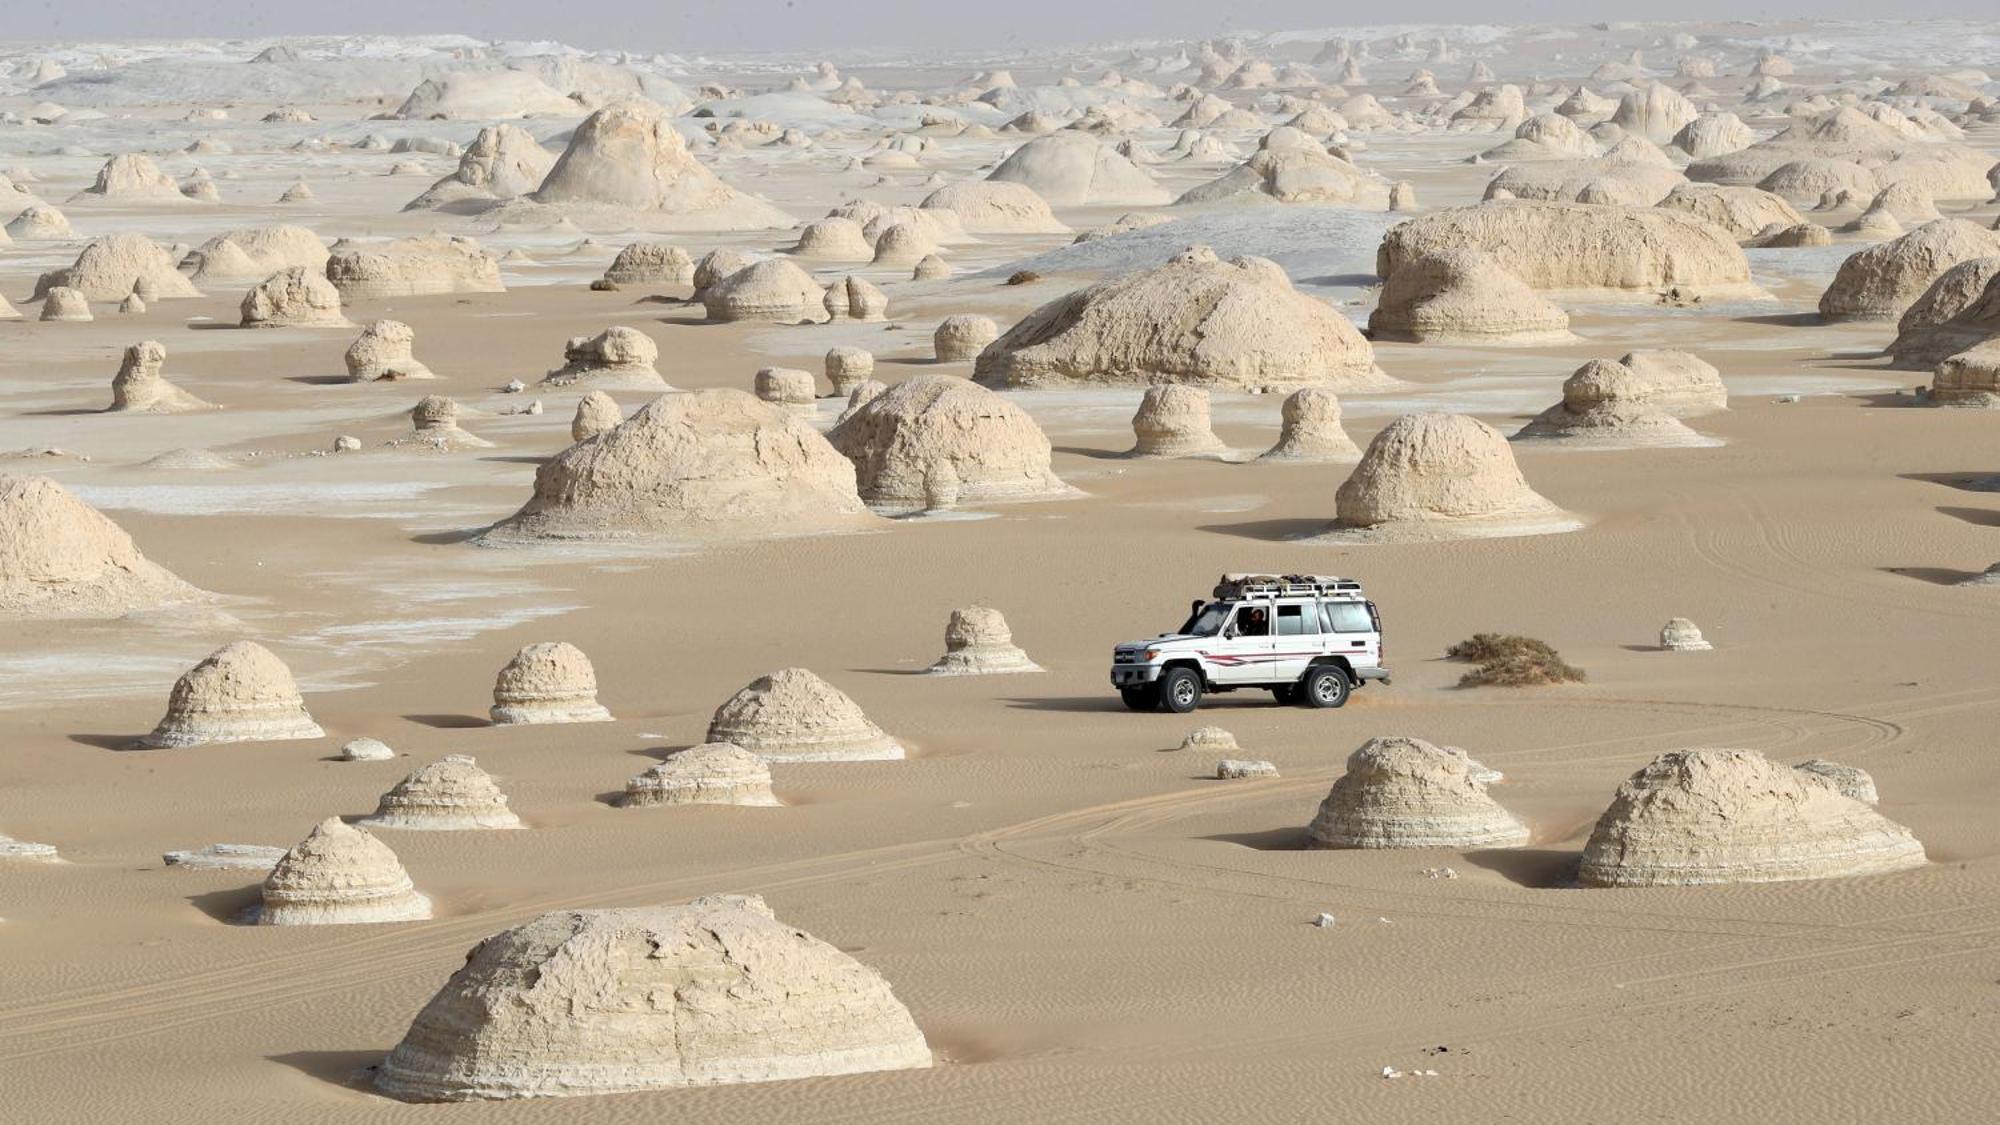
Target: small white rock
[1229, 769]
[346, 443]
[1324, 921]
[366, 750]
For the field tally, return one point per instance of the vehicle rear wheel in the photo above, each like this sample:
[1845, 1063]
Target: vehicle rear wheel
[1325, 686]
[1180, 691]
[1140, 698]
[1286, 694]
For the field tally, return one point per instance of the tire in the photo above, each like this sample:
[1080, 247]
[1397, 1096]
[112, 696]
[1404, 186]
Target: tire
[1286, 694]
[1140, 698]
[1325, 686]
[1180, 691]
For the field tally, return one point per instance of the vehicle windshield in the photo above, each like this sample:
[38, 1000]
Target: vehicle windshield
[1208, 622]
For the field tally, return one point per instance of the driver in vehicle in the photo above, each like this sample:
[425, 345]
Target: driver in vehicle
[1253, 623]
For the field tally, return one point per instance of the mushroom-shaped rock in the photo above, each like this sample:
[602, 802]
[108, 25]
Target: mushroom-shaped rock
[450, 794]
[792, 715]
[1434, 475]
[1848, 781]
[708, 463]
[713, 774]
[1172, 421]
[977, 642]
[1403, 792]
[605, 1001]
[241, 692]
[902, 440]
[1606, 405]
[1310, 429]
[786, 386]
[60, 557]
[1681, 635]
[547, 682]
[1462, 295]
[1236, 325]
[296, 297]
[596, 413]
[855, 298]
[848, 367]
[773, 289]
[618, 356]
[434, 428]
[139, 385]
[1884, 280]
[340, 875]
[962, 336]
[651, 263]
[385, 350]
[1733, 816]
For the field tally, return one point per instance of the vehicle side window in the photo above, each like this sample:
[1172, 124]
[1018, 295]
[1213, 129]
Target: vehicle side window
[1253, 621]
[1293, 622]
[1346, 617]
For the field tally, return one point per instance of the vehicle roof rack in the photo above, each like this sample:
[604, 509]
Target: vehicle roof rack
[1283, 585]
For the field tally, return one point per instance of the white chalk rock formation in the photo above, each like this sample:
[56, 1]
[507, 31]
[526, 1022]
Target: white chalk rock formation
[504, 162]
[131, 178]
[1694, 817]
[115, 266]
[616, 357]
[607, 1001]
[1884, 280]
[1237, 769]
[996, 207]
[241, 692]
[413, 267]
[547, 682]
[651, 263]
[483, 94]
[855, 298]
[226, 857]
[627, 165]
[1310, 429]
[1433, 475]
[977, 642]
[935, 441]
[713, 774]
[596, 413]
[1074, 169]
[1290, 167]
[60, 557]
[962, 337]
[255, 253]
[366, 750]
[1403, 792]
[1172, 421]
[1463, 295]
[1970, 378]
[61, 304]
[773, 289]
[792, 715]
[10, 848]
[385, 350]
[295, 297]
[1681, 635]
[786, 386]
[1852, 782]
[1606, 405]
[140, 387]
[1210, 740]
[434, 428]
[448, 795]
[1745, 212]
[340, 875]
[708, 463]
[1199, 320]
[40, 223]
[848, 367]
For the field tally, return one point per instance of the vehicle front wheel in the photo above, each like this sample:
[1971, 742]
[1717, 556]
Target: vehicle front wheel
[1140, 698]
[1180, 691]
[1325, 686]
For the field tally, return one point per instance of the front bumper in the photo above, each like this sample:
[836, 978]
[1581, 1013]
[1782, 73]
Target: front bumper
[1134, 675]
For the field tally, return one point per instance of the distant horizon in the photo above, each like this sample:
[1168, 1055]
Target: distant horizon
[888, 25]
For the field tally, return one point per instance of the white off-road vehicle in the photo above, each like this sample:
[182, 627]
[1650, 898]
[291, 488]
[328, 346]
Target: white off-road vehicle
[1305, 638]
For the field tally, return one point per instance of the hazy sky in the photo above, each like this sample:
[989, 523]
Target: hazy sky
[680, 25]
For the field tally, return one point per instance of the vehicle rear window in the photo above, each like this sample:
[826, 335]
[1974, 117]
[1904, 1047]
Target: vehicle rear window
[1346, 617]
[1292, 621]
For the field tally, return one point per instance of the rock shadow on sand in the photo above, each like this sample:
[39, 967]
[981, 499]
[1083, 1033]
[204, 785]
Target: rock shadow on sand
[1534, 868]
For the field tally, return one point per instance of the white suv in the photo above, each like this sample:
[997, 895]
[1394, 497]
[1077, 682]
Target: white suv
[1306, 638]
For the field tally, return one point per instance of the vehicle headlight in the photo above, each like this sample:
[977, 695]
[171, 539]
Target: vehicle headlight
[1152, 654]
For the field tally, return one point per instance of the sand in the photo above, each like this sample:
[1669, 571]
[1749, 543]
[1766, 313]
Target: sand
[1085, 925]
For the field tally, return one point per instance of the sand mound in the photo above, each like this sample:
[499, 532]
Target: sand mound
[1172, 421]
[117, 265]
[1733, 816]
[1606, 405]
[1681, 635]
[476, 94]
[714, 774]
[601, 1001]
[977, 642]
[503, 162]
[1441, 476]
[241, 692]
[139, 386]
[1073, 169]
[1745, 212]
[1237, 324]
[773, 289]
[627, 164]
[1574, 246]
[255, 253]
[704, 463]
[937, 441]
[385, 350]
[1882, 281]
[340, 875]
[450, 794]
[1851, 782]
[1310, 429]
[1403, 792]
[185, 460]
[293, 298]
[855, 298]
[596, 412]
[413, 267]
[1463, 295]
[792, 715]
[996, 207]
[59, 557]
[651, 263]
[547, 682]
[62, 304]
[40, 223]
[131, 177]
[617, 356]
[434, 428]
